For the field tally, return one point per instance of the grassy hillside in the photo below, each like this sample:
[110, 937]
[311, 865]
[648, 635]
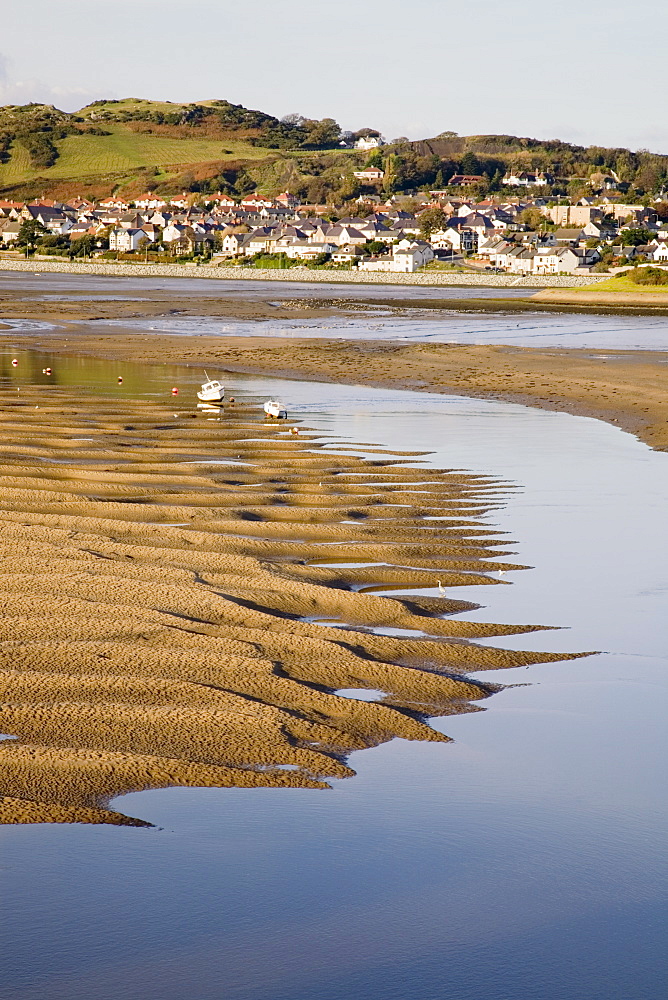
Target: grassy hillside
[129, 145]
[123, 151]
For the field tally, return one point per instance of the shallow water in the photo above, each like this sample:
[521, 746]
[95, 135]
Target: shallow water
[526, 859]
[566, 330]
[64, 285]
[533, 329]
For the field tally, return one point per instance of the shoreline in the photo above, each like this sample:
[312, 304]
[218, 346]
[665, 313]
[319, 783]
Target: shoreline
[626, 388]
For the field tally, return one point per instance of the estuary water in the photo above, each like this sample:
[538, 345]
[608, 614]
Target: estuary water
[534, 329]
[526, 859]
[380, 321]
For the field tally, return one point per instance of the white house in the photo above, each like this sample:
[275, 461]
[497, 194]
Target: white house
[114, 204]
[259, 242]
[560, 260]
[181, 202]
[232, 243]
[223, 200]
[519, 260]
[661, 252]
[406, 257]
[599, 230]
[346, 235]
[369, 142]
[149, 200]
[346, 255]
[303, 250]
[126, 239]
[411, 255]
[494, 250]
[526, 180]
[255, 201]
[458, 238]
[173, 231]
[9, 232]
[370, 175]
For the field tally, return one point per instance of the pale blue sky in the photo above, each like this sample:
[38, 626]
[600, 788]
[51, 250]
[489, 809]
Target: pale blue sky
[584, 72]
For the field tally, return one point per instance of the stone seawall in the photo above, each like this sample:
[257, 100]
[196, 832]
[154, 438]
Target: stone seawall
[436, 278]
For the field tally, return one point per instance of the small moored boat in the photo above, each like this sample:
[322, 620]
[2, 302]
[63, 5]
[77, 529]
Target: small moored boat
[273, 408]
[212, 391]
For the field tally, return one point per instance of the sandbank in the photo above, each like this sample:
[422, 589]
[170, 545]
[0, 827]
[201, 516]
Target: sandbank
[167, 622]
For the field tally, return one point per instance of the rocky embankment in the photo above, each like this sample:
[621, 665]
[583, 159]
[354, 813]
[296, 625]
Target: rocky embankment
[220, 272]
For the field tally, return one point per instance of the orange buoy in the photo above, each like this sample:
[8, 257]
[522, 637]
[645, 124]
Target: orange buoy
[47, 371]
[120, 379]
[14, 362]
[175, 391]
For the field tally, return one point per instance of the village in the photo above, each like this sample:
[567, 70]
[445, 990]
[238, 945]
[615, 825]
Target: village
[526, 235]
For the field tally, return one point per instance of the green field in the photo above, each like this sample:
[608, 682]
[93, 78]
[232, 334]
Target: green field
[84, 156]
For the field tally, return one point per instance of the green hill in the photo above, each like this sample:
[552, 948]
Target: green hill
[130, 145]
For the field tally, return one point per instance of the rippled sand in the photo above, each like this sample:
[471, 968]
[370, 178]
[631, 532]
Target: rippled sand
[159, 613]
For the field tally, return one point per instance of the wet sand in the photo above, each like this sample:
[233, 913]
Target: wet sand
[117, 301]
[626, 388]
[160, 611]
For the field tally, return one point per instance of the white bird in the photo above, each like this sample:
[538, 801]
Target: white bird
[501, 572]
[441, 589]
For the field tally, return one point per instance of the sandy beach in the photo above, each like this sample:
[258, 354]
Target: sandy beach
[160, 620]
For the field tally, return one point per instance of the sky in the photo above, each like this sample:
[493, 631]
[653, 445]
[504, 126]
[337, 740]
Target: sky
[585, 72]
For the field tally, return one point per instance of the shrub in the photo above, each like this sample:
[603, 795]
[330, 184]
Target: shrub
[648, 276]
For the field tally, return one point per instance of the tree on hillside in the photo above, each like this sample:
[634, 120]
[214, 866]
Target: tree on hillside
[30, 233]
[470, 164]
[532, 217]
[375, 247]
[651, 174]
[83, 247]
[577, 188]
[392, 165]
[636, 237]
[293, 119]
[54, 241]
[432, 220]
[479, 190]
[316, 191]
[322, 133]
[244, 183]
[348, 189]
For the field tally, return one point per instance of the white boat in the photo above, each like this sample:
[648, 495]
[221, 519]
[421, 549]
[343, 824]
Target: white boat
[273, 408]
[212, 392]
